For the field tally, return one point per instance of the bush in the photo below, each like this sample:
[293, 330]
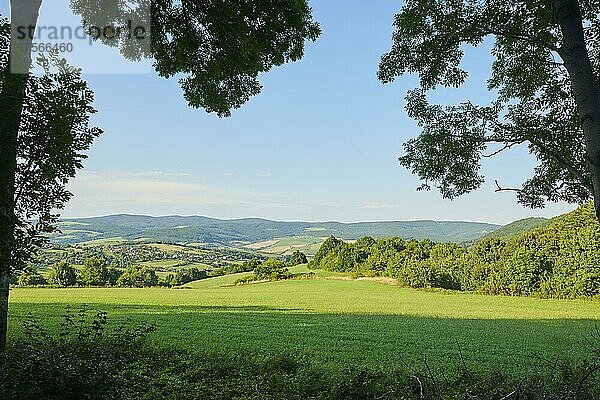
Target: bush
[183, 276]
[83, 360]
[138, 276]
[31, 277]
[297, 258]
[271, 269]
[245, 266]
[63, 274]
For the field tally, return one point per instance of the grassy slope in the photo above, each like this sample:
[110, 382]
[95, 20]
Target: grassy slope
[520, 226]
[340, 321]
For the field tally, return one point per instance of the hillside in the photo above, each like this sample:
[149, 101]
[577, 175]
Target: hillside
[197, 229]
[518, 227]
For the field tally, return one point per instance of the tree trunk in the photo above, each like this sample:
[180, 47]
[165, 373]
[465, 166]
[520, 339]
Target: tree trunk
[23, 13]
[585, 86]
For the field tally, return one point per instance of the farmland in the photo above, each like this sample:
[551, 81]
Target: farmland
[339, 321]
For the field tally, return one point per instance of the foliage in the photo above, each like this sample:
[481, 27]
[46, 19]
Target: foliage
[217, 49]
[90, 359]
[246, 266]
[86, 359]
[297, 258]
[518, 227]
[138, 276]
[63, 274]
[30, 277]
[53, 136]
[532, 78]
[94, 272]
[183, 276]
[272, 270]
[560, 259]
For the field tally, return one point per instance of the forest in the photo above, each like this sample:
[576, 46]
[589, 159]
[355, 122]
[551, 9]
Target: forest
[559, 260]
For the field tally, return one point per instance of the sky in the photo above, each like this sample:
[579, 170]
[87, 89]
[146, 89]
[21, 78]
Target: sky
[321, 141]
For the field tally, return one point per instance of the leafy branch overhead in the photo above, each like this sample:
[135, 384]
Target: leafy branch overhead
[538, 100]
[217, 48]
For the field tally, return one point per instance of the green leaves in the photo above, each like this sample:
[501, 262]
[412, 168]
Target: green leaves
[534, 100]
[53, 136]
[217, 49]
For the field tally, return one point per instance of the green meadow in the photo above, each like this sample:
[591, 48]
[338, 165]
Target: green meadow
[340, 322]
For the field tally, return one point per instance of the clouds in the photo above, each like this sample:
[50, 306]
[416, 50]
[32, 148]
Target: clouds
[167, 193]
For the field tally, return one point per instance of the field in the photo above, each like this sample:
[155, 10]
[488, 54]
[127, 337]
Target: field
[339, 321]
[287, 245]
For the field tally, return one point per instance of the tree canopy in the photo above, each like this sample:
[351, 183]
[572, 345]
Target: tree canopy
[217, 48]
[558, 260]
[544, 78]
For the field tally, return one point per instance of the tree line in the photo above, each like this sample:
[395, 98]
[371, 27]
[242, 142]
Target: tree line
[97, 272]
[561, 260]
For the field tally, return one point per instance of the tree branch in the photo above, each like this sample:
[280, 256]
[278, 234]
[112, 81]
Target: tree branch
[526, 37]
[561, 161]
[501, 189]
[505, 147]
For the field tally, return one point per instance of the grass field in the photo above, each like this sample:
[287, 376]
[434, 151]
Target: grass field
[340, 321]
[287, 245]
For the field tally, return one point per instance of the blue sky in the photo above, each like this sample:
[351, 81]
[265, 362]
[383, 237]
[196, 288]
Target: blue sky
[319, 143]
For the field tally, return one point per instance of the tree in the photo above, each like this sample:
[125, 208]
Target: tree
[94, 272]
[39, 153]
[63, 274]
[217, 48]
[297, 258]
[30, 277]
[330, 244]
[545, 74]
[271, 269]
[138, 276]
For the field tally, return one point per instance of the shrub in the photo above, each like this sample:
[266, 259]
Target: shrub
[297, 258]
[245, 266]
[271, 269]
[83, 360]
[183, 276]
[63, 274]
[31, 277]
[138, 276]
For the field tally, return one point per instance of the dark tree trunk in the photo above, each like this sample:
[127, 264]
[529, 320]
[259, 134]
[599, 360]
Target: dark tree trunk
[24, 13]
[585, 85]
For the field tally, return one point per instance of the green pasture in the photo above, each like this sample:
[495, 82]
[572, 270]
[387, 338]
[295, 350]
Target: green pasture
[287, 245]
[339, 321]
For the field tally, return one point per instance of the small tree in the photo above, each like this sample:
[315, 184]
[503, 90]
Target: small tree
[63, 274]
[30, 277]
[138, 276]
[94, 272]
[271, 269]
[297, 258]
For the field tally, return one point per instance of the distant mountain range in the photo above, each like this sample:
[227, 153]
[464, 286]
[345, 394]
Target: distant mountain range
[197, 229]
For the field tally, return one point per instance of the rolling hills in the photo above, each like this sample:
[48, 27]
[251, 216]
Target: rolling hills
[198, 229]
